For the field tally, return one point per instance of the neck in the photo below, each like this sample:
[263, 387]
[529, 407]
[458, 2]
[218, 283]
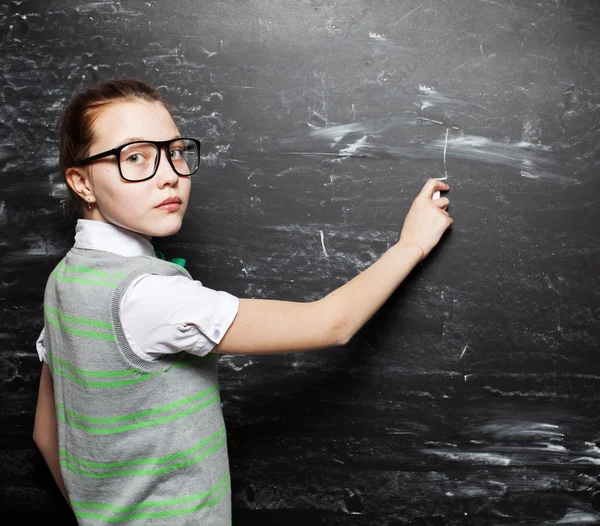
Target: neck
[95, 215]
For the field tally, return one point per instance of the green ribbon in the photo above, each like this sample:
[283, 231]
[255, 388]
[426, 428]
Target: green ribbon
[177, 261]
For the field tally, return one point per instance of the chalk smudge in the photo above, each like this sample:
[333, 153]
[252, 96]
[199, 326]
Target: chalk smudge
[490, 459]
[376, 36]
[337, 133]
[529, 160]
[521, 429]
[431, 97]
[580, 517]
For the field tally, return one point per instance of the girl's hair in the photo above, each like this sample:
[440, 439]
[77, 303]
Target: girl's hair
[76, 128]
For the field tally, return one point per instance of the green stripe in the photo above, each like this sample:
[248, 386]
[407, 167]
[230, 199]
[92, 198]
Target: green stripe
[93, 374]
[85, 281]
[138, 425]
[88, 270]
[78, 321]
[139, 414]
[155, 514]
[141, 461]
[80, 332]
[101, 385]
[55, 369]
[152, 504]
[146, 472]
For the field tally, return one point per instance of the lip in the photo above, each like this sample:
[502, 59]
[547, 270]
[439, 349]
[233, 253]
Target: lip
[171, 203]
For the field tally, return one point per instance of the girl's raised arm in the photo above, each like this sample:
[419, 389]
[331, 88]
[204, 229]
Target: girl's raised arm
[269, 326]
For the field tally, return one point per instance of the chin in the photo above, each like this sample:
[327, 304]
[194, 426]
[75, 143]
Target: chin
[165, 231]
[162, 228]
[167, 228]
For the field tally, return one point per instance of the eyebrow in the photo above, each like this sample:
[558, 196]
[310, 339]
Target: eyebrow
[133, 139]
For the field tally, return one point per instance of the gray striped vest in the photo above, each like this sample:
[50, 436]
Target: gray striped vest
[139, 442]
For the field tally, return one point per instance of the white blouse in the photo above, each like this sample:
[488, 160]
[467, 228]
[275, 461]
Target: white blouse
[159, 314]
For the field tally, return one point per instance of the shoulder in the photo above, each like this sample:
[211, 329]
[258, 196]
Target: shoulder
[100, 262]
[106, 269]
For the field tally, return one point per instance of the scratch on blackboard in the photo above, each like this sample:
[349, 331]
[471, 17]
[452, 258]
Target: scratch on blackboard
[464, 351]
[244, 268]
[463, 64]
[244, 87]
[410, 13]
[538, 56]
[208, 53]
[429, 120]
[323, 244]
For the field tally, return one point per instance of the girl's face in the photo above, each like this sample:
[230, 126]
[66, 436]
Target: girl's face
[135, 205]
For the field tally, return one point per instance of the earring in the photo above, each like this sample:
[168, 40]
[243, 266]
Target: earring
[89, 205]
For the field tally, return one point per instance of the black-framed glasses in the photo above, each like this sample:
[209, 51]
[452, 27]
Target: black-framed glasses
[138, 160]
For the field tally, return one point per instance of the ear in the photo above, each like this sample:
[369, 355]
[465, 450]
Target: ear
[80, 182]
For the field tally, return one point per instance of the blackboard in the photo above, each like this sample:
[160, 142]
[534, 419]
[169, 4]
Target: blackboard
[472, 397]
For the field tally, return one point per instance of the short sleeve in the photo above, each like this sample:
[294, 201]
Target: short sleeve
[40, 346]
[170, 314]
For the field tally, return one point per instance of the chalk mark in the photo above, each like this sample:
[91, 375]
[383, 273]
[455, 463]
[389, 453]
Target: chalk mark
[463, 64]
[464, 351]
[445, 149]
[323, 244]
[429, 120]
[410, 13]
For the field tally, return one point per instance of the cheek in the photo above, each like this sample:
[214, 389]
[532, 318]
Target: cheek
[123, 198]
[186, 186]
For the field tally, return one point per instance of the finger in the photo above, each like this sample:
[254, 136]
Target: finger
[442, 202]
[432, 186]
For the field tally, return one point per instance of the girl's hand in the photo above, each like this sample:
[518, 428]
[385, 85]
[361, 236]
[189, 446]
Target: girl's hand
[427, 218]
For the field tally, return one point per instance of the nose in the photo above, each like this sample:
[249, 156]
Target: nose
[165, 175]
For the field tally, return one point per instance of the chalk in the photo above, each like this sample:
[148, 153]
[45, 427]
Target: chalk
[436, 195]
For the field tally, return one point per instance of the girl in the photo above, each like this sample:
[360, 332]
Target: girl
[128, 415]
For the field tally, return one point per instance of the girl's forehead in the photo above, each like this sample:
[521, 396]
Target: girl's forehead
[118, 121]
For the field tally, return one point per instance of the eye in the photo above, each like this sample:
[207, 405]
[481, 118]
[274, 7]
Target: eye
[176, 153]
[134, 158]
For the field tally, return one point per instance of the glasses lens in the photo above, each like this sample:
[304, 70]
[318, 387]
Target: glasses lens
[138, 160]
[185, 156]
